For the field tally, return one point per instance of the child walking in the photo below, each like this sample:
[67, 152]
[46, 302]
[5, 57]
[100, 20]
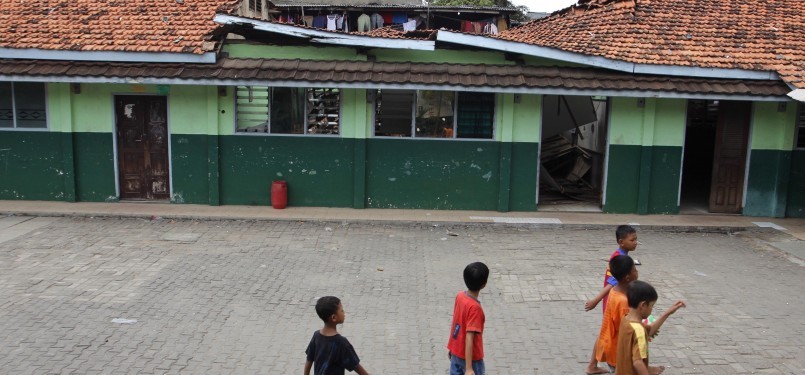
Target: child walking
[624, 270]
[633, 335]
[626, 236]
[329, 353]
[466, 345]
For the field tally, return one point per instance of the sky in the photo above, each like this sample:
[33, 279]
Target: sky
[544, 5]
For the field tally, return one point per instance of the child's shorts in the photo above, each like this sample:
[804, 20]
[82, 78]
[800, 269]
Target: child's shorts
[458, 366]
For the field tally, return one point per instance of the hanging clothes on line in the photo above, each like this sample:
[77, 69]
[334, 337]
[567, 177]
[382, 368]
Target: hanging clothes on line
[364, 23]
[377, 21]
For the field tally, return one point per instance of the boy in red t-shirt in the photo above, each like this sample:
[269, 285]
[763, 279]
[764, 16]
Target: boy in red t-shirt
[466, 345]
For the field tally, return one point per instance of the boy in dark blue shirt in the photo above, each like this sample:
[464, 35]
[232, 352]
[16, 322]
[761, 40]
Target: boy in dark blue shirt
[328, 352]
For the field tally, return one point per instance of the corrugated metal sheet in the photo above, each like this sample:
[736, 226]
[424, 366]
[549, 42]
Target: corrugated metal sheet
[368, 72]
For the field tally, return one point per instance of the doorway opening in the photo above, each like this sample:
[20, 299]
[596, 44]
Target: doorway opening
[714, 161]
[697, 165]
[142, 147]
[572, 153]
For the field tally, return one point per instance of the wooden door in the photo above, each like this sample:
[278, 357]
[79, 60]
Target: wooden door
[142, 139]
[729, 161]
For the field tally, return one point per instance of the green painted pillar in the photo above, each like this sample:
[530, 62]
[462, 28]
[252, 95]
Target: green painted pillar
[772, 141]
[213, 150]
[644, 180]
[505, 132]
[60, 99]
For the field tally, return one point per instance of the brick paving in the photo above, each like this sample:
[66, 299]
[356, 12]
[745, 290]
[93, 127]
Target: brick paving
[236, 297]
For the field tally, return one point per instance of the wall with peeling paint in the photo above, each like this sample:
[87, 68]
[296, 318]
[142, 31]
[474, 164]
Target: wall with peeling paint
[74, 160]
[645, 155]
[772, 141]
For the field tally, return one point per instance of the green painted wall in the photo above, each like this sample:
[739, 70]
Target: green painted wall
[623, 178]
[441, 56]
[770, 158]
[767, 186]
[645, 155]
[318, 169]
[432, 174]
[31, 165]
[524, 166]
[94, 166]
[666, 164]
[796, 185]
[243, 50]
[258, 51]
[190, 158]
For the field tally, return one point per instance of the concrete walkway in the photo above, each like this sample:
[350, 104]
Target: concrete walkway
[795, 227]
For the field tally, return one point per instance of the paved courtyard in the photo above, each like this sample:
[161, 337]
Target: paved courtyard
[117, 296]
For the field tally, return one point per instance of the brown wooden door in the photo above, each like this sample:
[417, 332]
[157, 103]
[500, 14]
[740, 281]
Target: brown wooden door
[142, 139]
[729, 161]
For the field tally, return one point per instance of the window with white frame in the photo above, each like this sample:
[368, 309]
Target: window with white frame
[22, 105]
[288, 110]
[801, 126]
[434, 114]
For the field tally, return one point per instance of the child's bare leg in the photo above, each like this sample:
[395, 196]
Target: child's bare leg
[592, 367]
[656, 370]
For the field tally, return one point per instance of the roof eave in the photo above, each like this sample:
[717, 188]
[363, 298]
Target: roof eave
[327, 37]
[599, 61]
[111, 56]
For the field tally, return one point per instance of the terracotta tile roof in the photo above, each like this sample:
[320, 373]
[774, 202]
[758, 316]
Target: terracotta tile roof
[373, 74]
[114, 25]
[742, 34]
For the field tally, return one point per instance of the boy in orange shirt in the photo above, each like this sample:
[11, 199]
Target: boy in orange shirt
[626, 236]
[606, 348]
[633, 335]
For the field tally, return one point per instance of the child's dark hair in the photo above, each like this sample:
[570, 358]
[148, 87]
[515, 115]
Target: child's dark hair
[623, 231]
[640, 291]
[327, 306]
[620, 266]
[475, 275]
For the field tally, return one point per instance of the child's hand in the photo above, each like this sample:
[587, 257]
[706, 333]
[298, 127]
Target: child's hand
[656, 370]
[589, 305]
[469, 372]
[676, 306]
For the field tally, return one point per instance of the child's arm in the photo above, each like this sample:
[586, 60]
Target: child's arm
[640, 367]
[360, 370]
[308, 365]
[591, 304]
[468, 353]
[655, 327]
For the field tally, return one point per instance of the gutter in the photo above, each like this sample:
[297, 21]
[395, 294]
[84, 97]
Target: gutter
[107, 56]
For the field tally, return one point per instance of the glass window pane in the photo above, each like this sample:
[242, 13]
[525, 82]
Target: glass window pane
[323, 111]
[30, 105]
[252, 109]
[394, 113]
[6, 111]
[434, 114]
[288, 110]
[476, 115]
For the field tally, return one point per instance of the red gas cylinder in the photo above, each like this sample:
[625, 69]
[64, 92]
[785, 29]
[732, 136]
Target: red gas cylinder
[279, 194]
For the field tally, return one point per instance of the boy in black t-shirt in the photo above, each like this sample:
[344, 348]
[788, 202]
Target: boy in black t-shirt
[328, 352]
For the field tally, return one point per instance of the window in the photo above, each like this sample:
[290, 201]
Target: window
[256, 5]
[434, 114]
[22, 105]
[287, 110]
[801, 126]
